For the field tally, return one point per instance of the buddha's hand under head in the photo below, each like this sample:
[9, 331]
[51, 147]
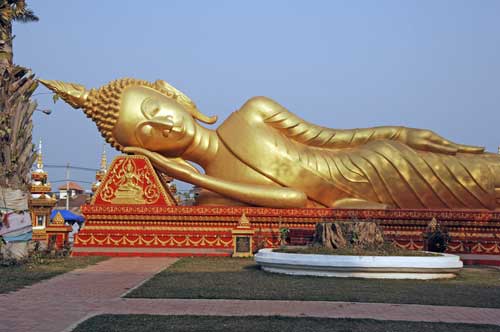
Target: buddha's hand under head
[426, 140]
[172, 167]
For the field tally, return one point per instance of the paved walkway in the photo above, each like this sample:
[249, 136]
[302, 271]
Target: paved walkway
[54, 304]
[410, 312]
[60, 303]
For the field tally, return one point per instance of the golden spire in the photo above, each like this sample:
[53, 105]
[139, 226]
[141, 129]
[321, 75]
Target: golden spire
[39, 160]
[104, 161]
[99, 175]
[72, 93]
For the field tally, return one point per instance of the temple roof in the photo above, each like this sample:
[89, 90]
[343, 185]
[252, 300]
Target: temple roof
[75, 203]
[72, 186]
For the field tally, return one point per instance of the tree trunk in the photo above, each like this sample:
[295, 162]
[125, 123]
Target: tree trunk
[6, 54]
[16, 110]
[17, 156]
[348, 234]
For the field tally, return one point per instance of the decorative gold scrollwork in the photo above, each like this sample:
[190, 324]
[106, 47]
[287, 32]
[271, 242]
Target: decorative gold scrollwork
[129, 183]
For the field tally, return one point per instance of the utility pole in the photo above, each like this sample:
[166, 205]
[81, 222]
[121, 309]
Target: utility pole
[67, 186]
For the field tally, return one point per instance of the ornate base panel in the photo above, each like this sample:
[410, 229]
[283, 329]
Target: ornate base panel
[145, 230]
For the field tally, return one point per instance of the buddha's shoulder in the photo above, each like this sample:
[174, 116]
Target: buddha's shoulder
[261, 103]
[262, 108]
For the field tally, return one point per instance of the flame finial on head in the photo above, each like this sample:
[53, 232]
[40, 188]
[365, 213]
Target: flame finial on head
[72, 93]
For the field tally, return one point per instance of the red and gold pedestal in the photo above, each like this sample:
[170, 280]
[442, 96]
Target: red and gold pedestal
[57, 232]
[131, 214]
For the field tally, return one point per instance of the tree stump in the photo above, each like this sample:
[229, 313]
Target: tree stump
[348, 234]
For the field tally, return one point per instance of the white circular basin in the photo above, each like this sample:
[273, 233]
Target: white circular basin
[441, 266]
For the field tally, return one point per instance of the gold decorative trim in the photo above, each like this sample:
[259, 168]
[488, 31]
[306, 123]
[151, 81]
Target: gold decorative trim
[480, 248]
[58, 229]
[411, 245]
[140, 240]
[170, 228]
[157, 228]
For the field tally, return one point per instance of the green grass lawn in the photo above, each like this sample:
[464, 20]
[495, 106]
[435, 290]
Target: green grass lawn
[14, 277]
[145, 323]
[229, 278]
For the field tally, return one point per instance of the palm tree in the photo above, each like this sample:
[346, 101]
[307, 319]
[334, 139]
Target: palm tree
[11, 10]
[16, 109]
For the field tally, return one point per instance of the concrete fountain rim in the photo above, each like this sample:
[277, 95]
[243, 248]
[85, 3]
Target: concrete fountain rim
[441, 266]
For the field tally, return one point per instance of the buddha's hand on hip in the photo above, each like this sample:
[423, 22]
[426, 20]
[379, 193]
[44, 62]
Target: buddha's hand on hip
[170, 166]
[427, 140]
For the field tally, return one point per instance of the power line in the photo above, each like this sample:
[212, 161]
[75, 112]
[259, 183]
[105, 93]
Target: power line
[71, 167]
[71, 180]
[68, 167]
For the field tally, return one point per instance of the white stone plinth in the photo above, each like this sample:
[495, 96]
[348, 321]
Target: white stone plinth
[382, 267]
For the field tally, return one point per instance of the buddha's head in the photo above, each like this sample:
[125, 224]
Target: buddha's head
[129, 112]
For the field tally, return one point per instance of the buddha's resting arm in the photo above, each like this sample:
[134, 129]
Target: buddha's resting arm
[266, 110]
[260, 195]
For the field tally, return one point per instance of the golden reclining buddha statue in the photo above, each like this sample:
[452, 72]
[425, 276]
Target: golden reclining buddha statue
[264, 155]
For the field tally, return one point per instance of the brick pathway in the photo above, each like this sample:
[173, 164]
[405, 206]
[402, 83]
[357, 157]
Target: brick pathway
[53, 305]
[382, 311]
[60, 303]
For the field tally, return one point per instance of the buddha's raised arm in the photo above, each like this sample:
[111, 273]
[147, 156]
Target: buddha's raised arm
[268, 111]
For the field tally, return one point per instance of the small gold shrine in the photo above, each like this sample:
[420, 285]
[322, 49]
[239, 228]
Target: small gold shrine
[243, 238]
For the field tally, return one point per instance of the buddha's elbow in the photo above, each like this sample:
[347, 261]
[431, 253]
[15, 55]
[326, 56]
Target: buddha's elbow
[293, 199]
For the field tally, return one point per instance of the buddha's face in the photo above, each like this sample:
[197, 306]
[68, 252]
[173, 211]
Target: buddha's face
[150, 120]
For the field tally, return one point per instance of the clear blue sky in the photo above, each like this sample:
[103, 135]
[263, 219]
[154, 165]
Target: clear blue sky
[342, 64]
